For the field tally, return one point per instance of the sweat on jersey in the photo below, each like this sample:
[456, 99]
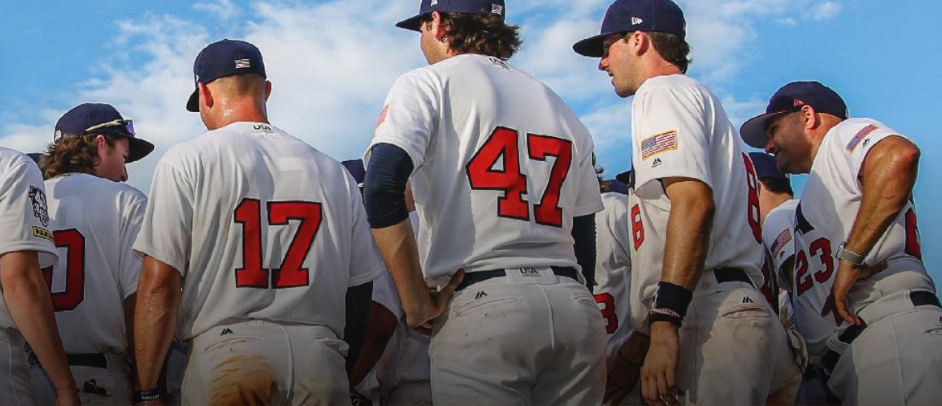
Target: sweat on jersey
[261, 226]
[829, 205]
[24, 215]
[501, 165]
[613, 267]
[95, 222]
[679, 129]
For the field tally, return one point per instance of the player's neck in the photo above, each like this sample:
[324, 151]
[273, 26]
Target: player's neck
[248, 112]
[772, 201]
[653, 67]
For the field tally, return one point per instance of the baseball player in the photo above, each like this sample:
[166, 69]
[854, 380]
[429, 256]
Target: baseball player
[694, 287]
[95, 220]
[506, 191]
[251, 238]
[857, 247]
[777, 215]
[26, 314]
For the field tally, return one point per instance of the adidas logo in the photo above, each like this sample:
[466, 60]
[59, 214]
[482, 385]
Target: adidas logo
[657, 162]
[480, 294]
[746, 299]
[227, 330]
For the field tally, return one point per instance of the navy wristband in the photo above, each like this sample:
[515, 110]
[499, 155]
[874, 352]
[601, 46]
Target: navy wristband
[670, 303]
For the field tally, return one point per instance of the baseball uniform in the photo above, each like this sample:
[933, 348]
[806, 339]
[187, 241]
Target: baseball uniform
[95, 221]
[501, 168]
[613, 267]
[895, 359]
[267, 233]
[778, 236]
[24, 218]
[730, 334]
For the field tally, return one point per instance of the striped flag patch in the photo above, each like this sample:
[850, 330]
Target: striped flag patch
[783, 238]
[863, 133]
[654, 145]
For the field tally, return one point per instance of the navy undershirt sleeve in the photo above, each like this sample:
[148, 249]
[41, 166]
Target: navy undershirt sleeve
[384, 188]
[583, 233]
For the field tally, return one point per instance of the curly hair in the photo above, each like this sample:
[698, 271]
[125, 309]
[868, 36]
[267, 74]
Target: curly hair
[73, 154]
[480, 34]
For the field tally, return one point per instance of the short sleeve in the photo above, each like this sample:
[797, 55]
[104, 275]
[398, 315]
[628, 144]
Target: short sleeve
[365, 262]
[168, 221]
[409, 117]
[385, 294]
[24, 215]
[669, 135]
[778, 236]
[130, 261]
[621, 235]
[858, 139]
[588, 198]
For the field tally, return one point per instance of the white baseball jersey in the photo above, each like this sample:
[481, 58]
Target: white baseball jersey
[406, 356]
[24, 215]
[778, 236]
[261, 226]
[95, 222]
[501, 165]
[824, 218]
[680, 130]
[613, 267]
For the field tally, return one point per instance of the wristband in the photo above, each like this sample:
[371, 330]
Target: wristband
[845, 255]
[141, 396]
[670, 303]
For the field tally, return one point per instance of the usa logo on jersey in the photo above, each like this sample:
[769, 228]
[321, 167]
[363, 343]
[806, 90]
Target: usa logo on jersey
[38, 197]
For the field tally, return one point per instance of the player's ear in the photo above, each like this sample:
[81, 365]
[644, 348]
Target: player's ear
[206, 96]
[267, 90]
[810, 118]
[638, 41]
[436, 26]
[102, 145]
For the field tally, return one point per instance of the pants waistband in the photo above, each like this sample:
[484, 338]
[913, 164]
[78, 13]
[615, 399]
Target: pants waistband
[724, 275]
[93, 360]
[481, 276]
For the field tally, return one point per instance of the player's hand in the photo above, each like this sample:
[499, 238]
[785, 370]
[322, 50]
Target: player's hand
[847, 275]
[438, 301]
[622, 379]
[658, 375]
[357, 398]
[67, 398]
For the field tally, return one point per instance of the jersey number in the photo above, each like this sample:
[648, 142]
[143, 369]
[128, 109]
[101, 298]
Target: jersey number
[74, 243]
[607, 306]
[753, 208]
[637, 227]
[913, 246]
[291, 274]
[503, 143]
[822, 249]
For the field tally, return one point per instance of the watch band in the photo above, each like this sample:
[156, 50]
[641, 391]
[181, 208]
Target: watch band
[849, 256]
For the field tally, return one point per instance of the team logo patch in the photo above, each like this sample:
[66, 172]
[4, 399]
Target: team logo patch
[382, 116]
[863, 133]
[529, 272]
[783, 238]
[43, 233]
[38, 197]
[242, 64]
[262, 128]
[652, 146]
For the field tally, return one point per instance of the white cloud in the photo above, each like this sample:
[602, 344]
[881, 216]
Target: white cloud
[331, 64]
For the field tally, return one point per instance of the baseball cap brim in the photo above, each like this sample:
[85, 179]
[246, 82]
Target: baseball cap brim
[413, 23]
[626, 177]
[193, 104]
[753, 131]
[138, 149]
[592, 46]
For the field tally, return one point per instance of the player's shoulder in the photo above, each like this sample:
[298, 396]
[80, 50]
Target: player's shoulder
[10, 158]
[675, 82]
[96, 187]
[673, 89]
[853, 132]
[782, 215]
[614, 203]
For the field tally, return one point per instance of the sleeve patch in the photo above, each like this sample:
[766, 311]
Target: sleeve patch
[38, 198]
[784, 238]
[654, 145]
[42, 233]
[863, 133]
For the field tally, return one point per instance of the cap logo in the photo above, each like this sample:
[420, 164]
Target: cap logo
[497, 9]
[797, 103]
[636, 21]
[434, 3]
[57, 136]
[242, 63]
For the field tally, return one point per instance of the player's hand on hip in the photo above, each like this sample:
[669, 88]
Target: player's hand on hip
[658, 375]
[438, 302]
[847, 275]
[67, 398]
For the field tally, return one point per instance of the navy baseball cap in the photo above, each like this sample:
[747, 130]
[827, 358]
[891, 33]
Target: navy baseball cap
[221, 59]
[766, 166]
[35, 156]
[414, 23]
[634, 15]
[99, 118]
[626, 177]
[791, 98]
[355, 167]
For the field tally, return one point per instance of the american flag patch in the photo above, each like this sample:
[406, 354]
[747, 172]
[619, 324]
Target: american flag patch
[382, 116]
[652, 146]
[863, 133]
[243, 63]
[784, 238]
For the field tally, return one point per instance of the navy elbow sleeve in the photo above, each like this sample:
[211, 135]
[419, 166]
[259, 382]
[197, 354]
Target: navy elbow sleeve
[583, 233]
[384, 188]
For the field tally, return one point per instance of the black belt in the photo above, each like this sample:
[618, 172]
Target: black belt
[475, 277]
[94, 360]
[917, 298]
[724, 275]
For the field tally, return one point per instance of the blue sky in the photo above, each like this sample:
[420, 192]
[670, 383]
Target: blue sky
[332, 62]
